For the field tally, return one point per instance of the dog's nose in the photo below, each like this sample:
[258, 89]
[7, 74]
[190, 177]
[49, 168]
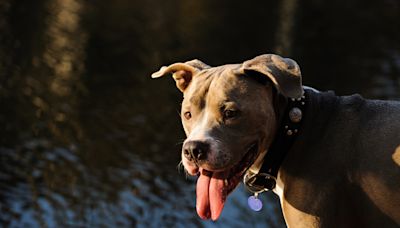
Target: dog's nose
[196, 150]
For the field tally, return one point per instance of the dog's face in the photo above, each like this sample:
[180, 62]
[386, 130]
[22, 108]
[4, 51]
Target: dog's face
[229, 120]
[226, 116]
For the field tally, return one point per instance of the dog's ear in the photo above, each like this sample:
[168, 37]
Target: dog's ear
[283, 72]
[181, 72]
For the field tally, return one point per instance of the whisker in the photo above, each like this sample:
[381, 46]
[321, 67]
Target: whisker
[180, 143]
[179, 113]
[180, 167]
[186, 175]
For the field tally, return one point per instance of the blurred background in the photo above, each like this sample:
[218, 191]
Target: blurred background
[87, 139]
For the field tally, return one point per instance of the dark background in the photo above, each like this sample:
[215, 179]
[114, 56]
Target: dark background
[87, 139]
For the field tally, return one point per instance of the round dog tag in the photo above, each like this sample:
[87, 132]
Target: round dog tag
[255, 204]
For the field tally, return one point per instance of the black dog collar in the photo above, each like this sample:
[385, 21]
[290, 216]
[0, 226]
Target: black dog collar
[265, 179]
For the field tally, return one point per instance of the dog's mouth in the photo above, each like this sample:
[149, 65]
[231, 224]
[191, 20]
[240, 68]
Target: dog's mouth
[213, 187]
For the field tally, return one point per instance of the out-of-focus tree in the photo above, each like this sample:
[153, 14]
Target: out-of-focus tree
[350, 46]
[286, 25]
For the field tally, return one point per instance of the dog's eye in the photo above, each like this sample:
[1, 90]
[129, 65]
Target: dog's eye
[187, 115]
[228, 114]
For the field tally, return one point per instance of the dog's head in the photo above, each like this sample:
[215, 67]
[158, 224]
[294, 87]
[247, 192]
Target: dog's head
[228, 114]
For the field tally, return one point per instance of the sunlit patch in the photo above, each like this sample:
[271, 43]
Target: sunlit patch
[64, 52]
[396, 156]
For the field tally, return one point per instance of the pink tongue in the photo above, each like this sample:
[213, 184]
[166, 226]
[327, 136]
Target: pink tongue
[211, 194]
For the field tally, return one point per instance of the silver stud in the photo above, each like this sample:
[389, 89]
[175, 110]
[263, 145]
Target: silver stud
[299, 99]
[295, 115]
[295, 130]
[286, 126]
[303, 103]
[293, 99]
[303, 97]
[289, 132]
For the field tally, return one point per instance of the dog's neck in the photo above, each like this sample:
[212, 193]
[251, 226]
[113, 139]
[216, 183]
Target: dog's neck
[263, 173]
[280, 103]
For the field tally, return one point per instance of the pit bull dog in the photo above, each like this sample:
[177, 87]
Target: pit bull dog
[338, 158]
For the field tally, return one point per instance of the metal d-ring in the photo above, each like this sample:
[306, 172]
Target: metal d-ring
[266, 181]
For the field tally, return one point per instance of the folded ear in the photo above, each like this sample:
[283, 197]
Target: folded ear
[283, 72]
[181, 72]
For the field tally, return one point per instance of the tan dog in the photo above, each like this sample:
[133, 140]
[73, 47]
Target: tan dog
[343, 169]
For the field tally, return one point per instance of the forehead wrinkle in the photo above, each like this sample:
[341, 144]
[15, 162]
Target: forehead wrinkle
[228, 84]
[203, 91]
[200, 87]
[217, 90]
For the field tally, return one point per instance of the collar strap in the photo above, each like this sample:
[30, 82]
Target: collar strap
[265, 179]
